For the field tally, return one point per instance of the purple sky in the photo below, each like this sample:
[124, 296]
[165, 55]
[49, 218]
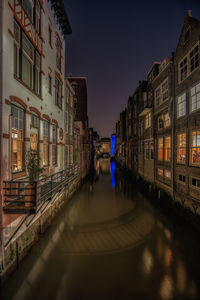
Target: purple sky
[114, 43]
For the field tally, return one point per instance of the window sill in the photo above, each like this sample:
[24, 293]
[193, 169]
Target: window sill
[26, 86]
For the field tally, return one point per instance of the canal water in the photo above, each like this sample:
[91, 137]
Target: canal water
[109, 243]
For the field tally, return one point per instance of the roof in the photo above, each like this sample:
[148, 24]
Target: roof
[61, 15]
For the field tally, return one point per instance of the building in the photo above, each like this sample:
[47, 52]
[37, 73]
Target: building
[187, 114]
[32, 88]
[105, 146]
[163, 144]
[81, 119]
[69, 123]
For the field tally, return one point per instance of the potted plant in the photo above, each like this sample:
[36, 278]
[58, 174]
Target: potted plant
[34, 172]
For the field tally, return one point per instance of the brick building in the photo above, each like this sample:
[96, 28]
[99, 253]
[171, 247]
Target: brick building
[166, 122]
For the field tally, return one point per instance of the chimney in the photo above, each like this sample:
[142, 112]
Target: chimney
[189, 13]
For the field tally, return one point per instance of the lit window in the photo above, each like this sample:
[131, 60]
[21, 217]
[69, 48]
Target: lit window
[181, 147]
[54, 144]
[183, 69]
[195, 97]
[45, 143]
[167, 148]
[167, 174]
[195, 148]
[148, 120]
[181, 105]
[17, 138]
[160, 148]
[194, 58]
[166, 119]
[160, 172]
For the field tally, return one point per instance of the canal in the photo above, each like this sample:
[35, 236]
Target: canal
[110, 242]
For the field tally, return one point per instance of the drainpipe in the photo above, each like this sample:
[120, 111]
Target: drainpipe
[1, 135]
[173, 104]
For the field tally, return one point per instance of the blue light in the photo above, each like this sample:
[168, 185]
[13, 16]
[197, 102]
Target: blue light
[113, 144]
[113, 173]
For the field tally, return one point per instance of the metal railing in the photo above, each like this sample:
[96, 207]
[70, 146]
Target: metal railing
[26, 195]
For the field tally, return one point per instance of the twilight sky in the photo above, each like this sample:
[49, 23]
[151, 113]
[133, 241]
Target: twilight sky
[114, 44]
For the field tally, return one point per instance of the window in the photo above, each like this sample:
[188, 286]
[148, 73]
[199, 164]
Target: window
[37, 20]
[50, 36]
[167, 148]
[160, 122]
[167, 174]
[17, 40]
[33, 11]
[165, 90]
[71, 154]
[28, 7]
[58, 53]
[194, 58]
[148, 120]
[181, 178]
[17, 138]
[50, 85]
[146, 151]
[195, 97]
[67, 122]
[27, 62]
[151, 150]
[183, 69]
[166, 119]
[186, 35]
[54, 144]
[34, 133]
[181, 147]
[70, 124]
[58, 92]
[160, 148]
[160, 172]
[181, 105]
[195, 147]
[45, 143]
[195, 182]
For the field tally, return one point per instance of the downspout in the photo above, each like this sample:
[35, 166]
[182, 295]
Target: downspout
[1, 135]
[173, 125]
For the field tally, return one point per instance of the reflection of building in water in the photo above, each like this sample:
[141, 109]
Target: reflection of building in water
[104, 165]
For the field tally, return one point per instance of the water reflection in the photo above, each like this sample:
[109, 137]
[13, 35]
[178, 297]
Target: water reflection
[110, 243]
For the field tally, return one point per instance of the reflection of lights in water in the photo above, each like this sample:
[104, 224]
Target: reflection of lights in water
[113, 173]
[167, 234]
[168, 257]
[147, 260]
[181, 277]
[192, 290]
[166, 288]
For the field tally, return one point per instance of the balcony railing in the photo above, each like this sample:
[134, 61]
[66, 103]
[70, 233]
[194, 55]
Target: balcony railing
[26, 196]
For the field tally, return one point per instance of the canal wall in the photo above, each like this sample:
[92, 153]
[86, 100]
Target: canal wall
[31, 229]
[164, 200]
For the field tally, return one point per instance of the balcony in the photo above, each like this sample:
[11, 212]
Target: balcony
[22, 197]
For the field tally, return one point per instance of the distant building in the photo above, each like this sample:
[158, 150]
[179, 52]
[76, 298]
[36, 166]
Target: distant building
[79, 86]
[105, 146]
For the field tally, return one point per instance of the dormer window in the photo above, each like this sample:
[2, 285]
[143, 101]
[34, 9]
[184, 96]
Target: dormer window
[187, 35]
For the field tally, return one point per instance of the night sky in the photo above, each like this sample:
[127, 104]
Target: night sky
[114, 44]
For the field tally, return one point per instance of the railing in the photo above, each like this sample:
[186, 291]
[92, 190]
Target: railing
[25, 196]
